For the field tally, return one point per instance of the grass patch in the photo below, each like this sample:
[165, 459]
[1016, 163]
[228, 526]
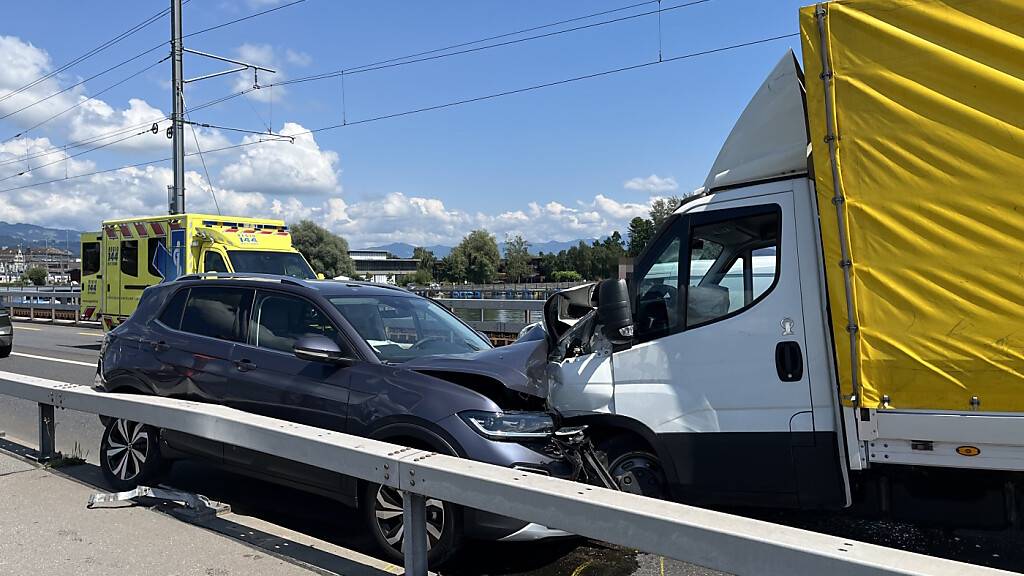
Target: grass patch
[75, 458]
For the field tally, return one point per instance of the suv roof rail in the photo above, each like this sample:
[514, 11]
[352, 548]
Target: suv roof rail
[243, 276]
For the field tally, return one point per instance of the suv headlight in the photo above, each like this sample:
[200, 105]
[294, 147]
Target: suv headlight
[509, 425]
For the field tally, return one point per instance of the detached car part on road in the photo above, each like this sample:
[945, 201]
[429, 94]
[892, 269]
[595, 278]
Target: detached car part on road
[357, 358]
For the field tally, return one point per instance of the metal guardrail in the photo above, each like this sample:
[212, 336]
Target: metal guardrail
[719, 541]
[42, 303]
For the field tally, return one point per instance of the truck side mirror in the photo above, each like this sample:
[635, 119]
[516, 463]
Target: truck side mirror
[613, 311]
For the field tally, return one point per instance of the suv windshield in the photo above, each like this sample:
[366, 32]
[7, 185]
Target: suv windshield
[401, 328]
[264, 262]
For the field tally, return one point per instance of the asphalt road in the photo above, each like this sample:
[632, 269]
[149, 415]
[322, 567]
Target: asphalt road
[68, 354]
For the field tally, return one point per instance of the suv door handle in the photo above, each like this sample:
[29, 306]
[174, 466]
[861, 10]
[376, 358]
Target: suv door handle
[789, 361]
[245, 365]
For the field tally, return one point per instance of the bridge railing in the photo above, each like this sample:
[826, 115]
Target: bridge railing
[52, 303]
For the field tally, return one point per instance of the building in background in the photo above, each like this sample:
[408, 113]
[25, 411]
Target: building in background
[16, 261]
[380, 266]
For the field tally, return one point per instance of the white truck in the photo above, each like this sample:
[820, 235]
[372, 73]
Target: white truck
[838, 314]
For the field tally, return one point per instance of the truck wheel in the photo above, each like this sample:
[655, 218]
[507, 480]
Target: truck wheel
[130, 454]
[635, 468]
[381, 507]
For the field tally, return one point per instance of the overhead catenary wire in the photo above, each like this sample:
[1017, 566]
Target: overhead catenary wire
[199, 149]
[88, 54]
[405, 61]
[66, 157]
[90, 98]
[133, 58]
[524, 89]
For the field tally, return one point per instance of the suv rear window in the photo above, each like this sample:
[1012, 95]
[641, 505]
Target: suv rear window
[171, 316]
[217, 312]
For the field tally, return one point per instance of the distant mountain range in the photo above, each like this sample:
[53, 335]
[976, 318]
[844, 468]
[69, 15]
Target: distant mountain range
[404, 250]
[32, 236]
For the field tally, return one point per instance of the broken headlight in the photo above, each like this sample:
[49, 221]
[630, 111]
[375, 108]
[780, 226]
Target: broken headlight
[509, 425]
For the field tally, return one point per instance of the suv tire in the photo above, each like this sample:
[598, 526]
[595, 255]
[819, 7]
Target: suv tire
[130, 454]
[381, 508]
[5, 351]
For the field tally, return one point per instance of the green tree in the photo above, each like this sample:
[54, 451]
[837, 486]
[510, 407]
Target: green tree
[662, 208]
[566, 276]
[36, 275]
[641, 232]
[477, 257]
[425, 266]
[326, 252]
[517, 258]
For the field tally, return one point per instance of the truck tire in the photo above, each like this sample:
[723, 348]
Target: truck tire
[635, 467]
[130, 454]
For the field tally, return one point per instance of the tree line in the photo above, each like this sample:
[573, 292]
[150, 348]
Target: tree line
[476, 258]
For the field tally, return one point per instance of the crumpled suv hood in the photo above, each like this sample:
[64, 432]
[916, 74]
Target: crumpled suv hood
[520, 366]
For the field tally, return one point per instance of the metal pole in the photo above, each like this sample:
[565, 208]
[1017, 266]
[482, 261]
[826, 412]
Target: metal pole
[177, 200]
[47, 432]
[414, 544]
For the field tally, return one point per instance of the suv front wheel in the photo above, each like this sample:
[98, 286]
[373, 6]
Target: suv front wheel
[130, 454]
[381, 507]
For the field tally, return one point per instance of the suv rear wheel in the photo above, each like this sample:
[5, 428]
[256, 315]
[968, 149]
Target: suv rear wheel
[5, 351]
[130, 454]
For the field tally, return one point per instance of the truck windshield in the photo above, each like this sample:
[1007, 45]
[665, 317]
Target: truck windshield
[401, 328]
[265, 262]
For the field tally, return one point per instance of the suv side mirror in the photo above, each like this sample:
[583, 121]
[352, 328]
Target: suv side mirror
[319, 348]
[613, 311]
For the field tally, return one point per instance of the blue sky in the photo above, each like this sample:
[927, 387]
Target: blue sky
[425, 178]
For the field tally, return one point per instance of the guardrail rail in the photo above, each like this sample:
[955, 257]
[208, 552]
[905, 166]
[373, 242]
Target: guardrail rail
[716, 540]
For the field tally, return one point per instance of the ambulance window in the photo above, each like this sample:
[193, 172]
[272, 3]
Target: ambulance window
[90, 258]
[214, 262]
[733, 263]
[130, 257]
[151, 250]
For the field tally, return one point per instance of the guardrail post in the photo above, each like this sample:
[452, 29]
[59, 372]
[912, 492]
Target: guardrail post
[414, 545]
[47, 432]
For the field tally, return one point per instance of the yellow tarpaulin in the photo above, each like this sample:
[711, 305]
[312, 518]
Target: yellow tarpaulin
[929, 112]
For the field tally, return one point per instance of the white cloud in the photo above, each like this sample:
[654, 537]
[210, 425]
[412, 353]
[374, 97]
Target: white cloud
[285, 168]
[22, 63]
[652, 183]
[297, 58]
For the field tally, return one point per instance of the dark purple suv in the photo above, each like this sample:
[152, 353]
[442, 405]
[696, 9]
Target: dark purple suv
[364, 359]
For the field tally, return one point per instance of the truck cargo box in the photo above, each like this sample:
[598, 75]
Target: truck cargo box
[927, 104]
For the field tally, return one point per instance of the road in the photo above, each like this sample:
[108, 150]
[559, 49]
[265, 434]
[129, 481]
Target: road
[68, 354]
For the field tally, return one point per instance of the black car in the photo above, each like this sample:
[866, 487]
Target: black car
[359, 358]
[6, 333]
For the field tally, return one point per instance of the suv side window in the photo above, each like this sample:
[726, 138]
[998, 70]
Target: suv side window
[280, 320]
[214, 262]
[218, 312]
[171, 316]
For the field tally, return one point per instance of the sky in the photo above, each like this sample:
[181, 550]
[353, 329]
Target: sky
[573, 160]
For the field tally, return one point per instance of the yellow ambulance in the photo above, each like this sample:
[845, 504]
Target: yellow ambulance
[129, 255]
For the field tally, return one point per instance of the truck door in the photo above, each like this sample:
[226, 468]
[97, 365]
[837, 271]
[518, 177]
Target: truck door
[111, 281]
[717, 367]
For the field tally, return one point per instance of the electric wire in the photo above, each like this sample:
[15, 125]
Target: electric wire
[80, 102]
[88, 54]
[534, 87]
[373, 67]
[242, 19]
[66, 158]
[209, 181]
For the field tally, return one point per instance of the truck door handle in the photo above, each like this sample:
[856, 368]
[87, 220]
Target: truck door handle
[789, 361]
[245, 365]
